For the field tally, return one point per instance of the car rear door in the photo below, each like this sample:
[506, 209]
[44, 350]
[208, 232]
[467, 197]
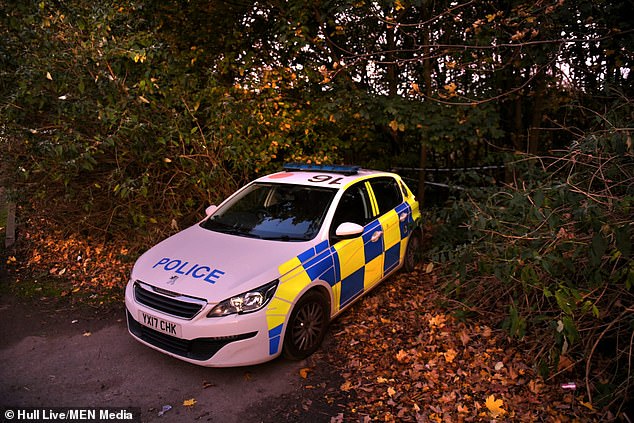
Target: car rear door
[394, 214]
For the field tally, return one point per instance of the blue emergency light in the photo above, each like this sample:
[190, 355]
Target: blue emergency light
[306, 167]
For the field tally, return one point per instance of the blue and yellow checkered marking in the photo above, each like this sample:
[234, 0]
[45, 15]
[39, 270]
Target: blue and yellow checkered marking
[274, 339]
[368, 262]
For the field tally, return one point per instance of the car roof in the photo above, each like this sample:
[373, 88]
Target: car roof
[322, 178]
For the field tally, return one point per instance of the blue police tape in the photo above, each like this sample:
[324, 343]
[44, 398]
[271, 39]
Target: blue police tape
[196, 270]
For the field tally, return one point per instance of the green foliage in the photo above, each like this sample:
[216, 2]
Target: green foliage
[556, 245]
[127, 118]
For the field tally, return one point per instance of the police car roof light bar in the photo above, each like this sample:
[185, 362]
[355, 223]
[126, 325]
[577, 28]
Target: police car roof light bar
[306, 167]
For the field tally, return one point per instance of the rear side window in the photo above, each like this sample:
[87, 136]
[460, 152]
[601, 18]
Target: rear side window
[387, 192]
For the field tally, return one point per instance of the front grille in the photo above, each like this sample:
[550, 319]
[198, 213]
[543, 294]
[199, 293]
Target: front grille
[196, 349]
[167, 302]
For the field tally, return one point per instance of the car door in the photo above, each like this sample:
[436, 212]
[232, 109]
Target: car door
[394, 218]
[359, 258]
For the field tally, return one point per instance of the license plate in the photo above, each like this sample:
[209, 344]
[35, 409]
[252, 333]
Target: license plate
[161, 325]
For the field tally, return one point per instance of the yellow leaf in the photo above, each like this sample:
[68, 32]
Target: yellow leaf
[495, 406]
[381, 379]
[391, 391]
[587, 405]
[167, 160]
[394, 125]
[429, 268]
[437, 320]
[303, 372]
[48, 76]
[189, 402]
[450, 355]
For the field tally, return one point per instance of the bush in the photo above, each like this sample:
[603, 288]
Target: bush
[550, 255]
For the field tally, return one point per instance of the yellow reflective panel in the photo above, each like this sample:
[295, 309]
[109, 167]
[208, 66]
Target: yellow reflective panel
[336, 292]
[391, 229]
[278, 306]
[373, 269]
[351, 256]
[274, 321]
[375, 205]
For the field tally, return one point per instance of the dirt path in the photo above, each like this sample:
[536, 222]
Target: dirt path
[75, 358]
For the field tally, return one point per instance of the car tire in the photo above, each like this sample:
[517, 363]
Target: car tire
[307, 326]
[412, 252]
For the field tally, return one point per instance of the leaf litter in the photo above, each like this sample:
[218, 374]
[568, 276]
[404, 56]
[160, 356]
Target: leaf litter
[401, 354]
[405, 358]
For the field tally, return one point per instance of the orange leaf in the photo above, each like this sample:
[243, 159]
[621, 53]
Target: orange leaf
[495, 406]
[450, 355]
[303, 372]
[189, 402]
[401, 355]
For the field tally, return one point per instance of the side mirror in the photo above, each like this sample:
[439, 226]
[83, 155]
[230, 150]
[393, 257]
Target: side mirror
[349, 230]
[210, 210]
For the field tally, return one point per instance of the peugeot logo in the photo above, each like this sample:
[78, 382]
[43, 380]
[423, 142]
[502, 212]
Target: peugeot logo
[172, 280]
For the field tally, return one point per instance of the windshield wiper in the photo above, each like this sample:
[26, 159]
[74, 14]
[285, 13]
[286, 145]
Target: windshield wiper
[284, 238]
[229, 230]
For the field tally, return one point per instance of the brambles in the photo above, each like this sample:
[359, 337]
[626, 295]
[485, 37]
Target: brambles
[550, 255]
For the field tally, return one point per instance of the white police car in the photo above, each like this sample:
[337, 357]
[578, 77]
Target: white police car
[265, 272]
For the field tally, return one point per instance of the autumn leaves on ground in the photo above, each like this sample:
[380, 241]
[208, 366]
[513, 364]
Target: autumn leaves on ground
[401, 353]
[405, 358]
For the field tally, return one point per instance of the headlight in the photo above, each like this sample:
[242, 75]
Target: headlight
[246, 302]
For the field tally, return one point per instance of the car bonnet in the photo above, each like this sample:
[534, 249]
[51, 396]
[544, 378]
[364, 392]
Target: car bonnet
[212, 265]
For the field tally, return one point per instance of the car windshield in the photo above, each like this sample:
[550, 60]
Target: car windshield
[273, 211]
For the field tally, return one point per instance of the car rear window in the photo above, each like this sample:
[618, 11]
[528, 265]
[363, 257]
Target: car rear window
[387, 192]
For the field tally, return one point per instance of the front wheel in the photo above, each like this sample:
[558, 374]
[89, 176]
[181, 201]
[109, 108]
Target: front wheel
[307, 326]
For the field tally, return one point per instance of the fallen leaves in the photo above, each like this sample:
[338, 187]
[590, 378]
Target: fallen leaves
[495, 406]
[303, 372]
[189, 402]
[84, 266]
[425, 365]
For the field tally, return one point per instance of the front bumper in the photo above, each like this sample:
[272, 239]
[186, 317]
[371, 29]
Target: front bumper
[235, 340]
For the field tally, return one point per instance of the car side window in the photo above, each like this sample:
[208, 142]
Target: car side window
[354, 207]
[387, 192]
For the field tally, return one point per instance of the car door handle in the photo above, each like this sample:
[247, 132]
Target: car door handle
[376, 236]
[402, 217]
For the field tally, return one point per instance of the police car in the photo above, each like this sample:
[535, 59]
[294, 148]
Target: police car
[265, 271]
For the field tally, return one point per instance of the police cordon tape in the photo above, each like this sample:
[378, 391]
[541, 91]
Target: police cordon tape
[449, 169]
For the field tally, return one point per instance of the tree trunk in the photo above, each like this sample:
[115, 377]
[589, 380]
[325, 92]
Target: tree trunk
[427, 66]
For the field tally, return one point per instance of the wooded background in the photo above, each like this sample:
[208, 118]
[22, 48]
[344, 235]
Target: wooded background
[125, 119]
[136, 112]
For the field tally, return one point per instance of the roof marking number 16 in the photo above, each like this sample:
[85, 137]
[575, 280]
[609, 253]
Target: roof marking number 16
[326, 178]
